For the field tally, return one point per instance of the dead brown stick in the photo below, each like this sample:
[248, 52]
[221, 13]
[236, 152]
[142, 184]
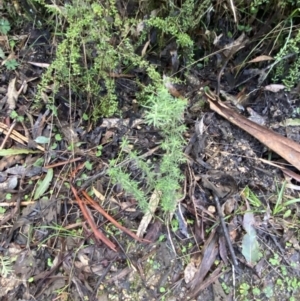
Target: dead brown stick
[225, 231]
[63, 163]
[8, 134]
[98, 234]
[16, 136]
[111, 219]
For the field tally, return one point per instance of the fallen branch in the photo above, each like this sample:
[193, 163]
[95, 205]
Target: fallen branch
[62, 163]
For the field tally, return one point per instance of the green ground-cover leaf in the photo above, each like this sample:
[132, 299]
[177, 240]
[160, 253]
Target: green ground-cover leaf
[16, 151]
[250, 245]
[44, 184]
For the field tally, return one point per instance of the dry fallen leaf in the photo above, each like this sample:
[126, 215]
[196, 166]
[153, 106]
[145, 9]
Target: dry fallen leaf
[144, 50]
[153, 203]
[209, 253]
[255, 117]
[189, 272]
[233, 47]
[274, 88]
[172, 90]
[41, 65]
[9, 184]
[261, 58]
[12, 95]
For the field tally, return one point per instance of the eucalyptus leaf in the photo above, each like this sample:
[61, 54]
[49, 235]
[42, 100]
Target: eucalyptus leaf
[248, 222]
[42, 140]
[250, 245]
[44, 184]
[250, 248]
[16, 151]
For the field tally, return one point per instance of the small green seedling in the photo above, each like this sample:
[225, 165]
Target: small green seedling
[16, 116]
[4, 26]
[11, 64]
[244, 289]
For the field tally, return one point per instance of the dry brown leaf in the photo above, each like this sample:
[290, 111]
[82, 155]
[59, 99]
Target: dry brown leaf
[217, 39]
[6, 162]
[23, 171]
[232, 6]
[145, 48]
[255, 117]
[83, 258]
[229, 206]
[154, 231]
[233, 47]
[120, 75]
[291, 174]
[172, 90]
[41, 65]
[261, 58]
[232, 228]
[3, 39]
[8, 284]
[216, 274]
[12, 95]
[109, 134]
[223, 249]
[139, 29]
[219, 294]
[153, 203]
[189, 272]
[274, 88]
[9, 184]
[98, 194]
[210, 251]
[292, 186]
[126, 206]
[39, 124]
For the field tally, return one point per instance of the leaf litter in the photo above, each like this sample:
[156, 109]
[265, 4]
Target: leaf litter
[49, 244]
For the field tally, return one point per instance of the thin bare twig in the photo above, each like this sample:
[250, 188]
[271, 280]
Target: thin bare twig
[8, 134]
[225, 231]
[86, 213]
